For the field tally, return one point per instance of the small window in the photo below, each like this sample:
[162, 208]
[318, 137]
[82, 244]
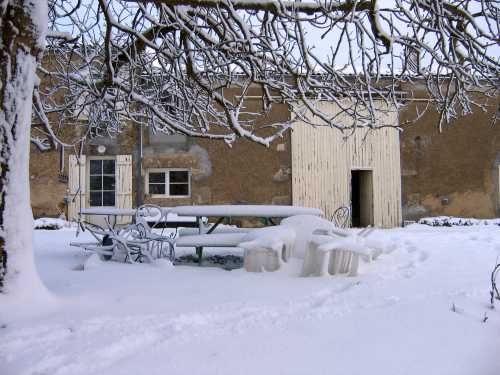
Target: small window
[169, 183]
[102, 183]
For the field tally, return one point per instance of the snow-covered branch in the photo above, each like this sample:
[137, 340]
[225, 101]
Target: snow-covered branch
[192, 66]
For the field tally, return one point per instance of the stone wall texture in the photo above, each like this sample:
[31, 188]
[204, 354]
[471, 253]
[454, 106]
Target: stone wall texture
[454, 172]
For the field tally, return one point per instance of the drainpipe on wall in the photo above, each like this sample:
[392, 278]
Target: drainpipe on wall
[138, 167]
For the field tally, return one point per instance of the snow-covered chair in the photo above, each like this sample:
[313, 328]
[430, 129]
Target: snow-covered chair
[103, 244]
[111, 245]
[342, 217]
[140, 233]
[211, 240]
[336, 252]
[304, 226]
[267, 248]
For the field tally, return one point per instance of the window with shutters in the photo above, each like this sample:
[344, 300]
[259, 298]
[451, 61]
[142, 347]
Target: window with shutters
[169, 183]
[102, 182]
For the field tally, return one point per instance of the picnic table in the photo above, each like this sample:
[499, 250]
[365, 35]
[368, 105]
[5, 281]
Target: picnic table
[223, 212]
[170, 220]
[110, 212]
[196, 217]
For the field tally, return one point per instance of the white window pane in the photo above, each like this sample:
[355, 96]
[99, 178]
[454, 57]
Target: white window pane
[179, 176]
[96, 198]
[157, 189]
[179, 189]
[108, 183]
[96, 167]
[108, 167]
[95, 183]
[157, 177]
[108, 198]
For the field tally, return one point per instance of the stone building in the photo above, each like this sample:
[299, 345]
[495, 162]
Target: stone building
[139, 166]
[455, 172]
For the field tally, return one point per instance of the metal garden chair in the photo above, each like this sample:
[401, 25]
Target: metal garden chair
[341, 217]
[141, 233]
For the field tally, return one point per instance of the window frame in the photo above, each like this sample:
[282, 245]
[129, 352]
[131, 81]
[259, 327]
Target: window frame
[167, 182]
[102, 158]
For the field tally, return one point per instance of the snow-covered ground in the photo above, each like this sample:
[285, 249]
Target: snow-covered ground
[396, 317]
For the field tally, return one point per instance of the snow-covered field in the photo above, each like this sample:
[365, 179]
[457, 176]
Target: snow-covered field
[418, 309]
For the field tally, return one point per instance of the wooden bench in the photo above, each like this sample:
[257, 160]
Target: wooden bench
[211, 240]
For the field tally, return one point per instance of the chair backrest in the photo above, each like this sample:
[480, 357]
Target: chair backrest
[148, 216]
[151, 211]
[342, 217]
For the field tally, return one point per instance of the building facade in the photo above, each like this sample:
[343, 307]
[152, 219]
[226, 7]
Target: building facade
[384, 176]
[139, 167]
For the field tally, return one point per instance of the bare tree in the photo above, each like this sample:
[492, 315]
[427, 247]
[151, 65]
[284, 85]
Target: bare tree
[185, 66]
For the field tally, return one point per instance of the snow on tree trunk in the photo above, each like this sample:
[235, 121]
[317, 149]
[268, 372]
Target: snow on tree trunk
[24, 26]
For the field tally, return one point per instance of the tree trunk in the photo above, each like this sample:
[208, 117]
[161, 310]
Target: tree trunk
[23, 26]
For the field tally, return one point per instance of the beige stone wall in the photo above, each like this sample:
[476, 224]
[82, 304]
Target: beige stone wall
[47, 191]
[49, 187]
[454, 172]
[244, 173]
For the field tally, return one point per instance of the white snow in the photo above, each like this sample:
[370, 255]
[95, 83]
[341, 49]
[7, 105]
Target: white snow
[157, 216]
[245, 210]
[448, 221]
[111, 211]
[395, 317]
[52, 223]
[304, 226]
[272, 238]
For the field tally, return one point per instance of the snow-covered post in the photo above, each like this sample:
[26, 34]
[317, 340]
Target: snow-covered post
[23, 25]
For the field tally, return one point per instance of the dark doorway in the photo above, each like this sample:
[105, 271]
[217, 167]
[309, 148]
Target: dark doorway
[361, 198]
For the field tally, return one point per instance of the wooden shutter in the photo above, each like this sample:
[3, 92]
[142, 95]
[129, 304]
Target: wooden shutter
[124, 185]
[76, 186]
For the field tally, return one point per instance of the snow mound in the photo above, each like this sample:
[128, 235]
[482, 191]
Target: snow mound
[451, 221]
[164, 264]
[92, 262]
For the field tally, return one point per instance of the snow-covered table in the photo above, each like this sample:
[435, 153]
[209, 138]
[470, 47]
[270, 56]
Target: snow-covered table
[239, 211]
[111, 212]
[108, 211]
[254, 210]
[171, 220]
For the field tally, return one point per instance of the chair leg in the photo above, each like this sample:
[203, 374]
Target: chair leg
[325, 263]
[199, 252]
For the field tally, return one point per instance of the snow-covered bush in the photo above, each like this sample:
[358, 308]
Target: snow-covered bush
[450, 221]
[49, 223]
